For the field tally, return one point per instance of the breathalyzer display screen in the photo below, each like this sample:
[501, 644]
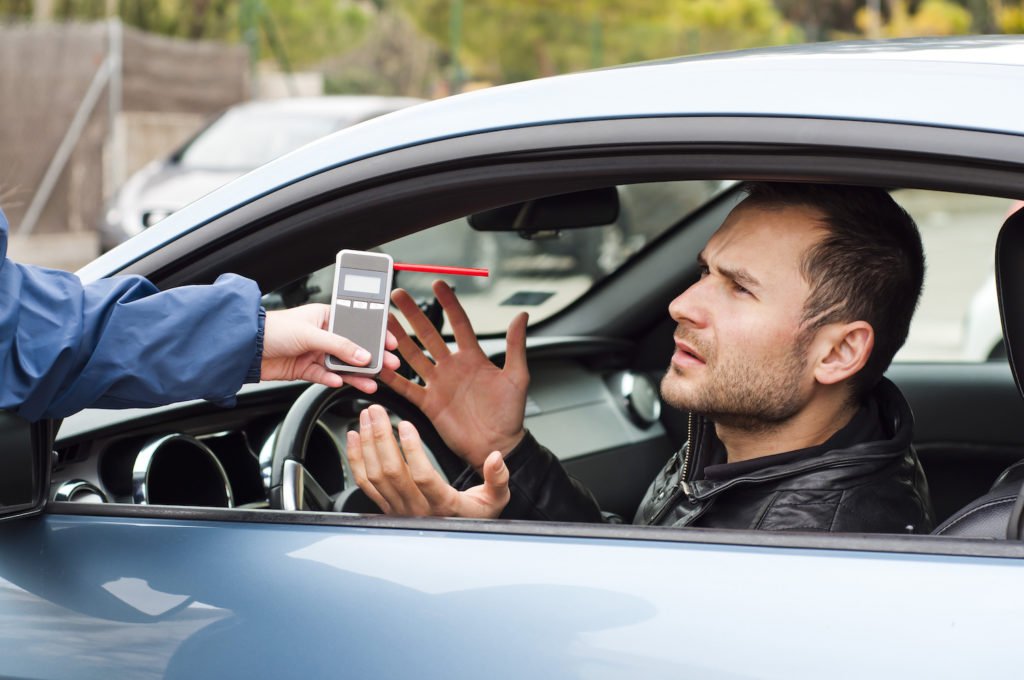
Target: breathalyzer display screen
[362, 284]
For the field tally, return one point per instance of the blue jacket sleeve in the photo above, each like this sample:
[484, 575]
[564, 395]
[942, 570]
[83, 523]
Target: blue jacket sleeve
[120, 342]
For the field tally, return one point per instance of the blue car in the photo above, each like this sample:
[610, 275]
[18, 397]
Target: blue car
[193, 541]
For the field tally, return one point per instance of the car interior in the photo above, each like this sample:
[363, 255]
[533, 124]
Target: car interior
[600, 340]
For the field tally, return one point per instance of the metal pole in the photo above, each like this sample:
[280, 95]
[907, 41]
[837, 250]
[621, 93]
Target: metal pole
[116, 152]
[67, 145]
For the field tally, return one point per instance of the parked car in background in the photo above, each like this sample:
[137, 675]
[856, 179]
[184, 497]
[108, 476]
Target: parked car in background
[173, 545]
[242, 138]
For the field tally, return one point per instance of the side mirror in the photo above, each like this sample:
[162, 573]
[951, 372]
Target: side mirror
[24, 466]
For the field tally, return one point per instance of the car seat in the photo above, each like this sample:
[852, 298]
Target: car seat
[998, 514]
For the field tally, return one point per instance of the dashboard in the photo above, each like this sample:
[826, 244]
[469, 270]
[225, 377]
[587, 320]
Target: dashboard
[583, 403]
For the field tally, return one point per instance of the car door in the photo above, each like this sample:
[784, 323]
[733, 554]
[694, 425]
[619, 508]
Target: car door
[92, 590]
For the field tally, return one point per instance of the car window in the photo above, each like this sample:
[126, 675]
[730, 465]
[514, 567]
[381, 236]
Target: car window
[957, 318]
[541, 275]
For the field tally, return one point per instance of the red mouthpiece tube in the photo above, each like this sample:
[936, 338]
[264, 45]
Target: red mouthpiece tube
[440, 269]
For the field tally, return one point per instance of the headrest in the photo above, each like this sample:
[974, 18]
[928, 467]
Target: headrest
[1010, 289]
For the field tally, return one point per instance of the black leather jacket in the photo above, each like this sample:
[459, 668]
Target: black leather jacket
[874, 486]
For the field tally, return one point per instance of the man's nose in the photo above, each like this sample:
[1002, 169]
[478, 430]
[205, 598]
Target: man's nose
[690, 306]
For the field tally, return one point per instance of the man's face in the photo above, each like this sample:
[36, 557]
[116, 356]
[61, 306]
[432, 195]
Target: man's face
[740, 357]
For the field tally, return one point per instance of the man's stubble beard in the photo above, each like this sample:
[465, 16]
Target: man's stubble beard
[740, 395]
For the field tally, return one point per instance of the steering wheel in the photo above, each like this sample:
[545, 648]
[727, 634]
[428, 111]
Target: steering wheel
[292, 487]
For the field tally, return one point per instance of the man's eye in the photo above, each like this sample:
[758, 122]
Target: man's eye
[741, 290]
[704, 270]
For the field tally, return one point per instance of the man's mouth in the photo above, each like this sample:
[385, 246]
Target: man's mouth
[687, 355]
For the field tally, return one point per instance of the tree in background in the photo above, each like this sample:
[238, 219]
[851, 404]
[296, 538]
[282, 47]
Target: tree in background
[843, 19]
[409, 46]
[394, 58]
[1009, 16]
[823, 19]
[509, 40]
[306, 32]
[931, 17]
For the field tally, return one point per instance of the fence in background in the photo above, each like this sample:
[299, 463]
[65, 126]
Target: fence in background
[84, 105]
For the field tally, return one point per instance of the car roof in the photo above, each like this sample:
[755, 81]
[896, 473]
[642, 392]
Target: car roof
[963, 82]
[331, 105]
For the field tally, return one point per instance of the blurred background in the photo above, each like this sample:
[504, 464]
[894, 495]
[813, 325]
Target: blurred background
[116, 113]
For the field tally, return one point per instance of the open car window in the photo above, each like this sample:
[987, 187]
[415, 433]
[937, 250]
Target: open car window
[957, 318]
[541, 273]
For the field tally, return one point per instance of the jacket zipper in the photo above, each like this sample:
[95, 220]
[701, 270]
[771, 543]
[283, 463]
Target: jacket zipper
[683, 487]
[683, 483]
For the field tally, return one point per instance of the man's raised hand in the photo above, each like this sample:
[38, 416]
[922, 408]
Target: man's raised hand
[475, 406]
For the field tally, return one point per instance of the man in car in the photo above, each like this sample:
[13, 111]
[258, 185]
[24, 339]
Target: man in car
[806, 292]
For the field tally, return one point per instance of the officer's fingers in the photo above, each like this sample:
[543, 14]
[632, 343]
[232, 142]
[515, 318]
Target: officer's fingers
[308, 366]
[318, 374]
[391, 361]
[318, 340]
[361, 383]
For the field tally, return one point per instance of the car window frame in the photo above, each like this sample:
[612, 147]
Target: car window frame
[522, 163]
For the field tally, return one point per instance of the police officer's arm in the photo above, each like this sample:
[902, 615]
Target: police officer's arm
[120, 342]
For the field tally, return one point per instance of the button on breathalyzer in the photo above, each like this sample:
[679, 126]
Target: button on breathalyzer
[359, 309]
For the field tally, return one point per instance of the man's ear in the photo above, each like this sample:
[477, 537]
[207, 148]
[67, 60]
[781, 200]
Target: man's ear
[841, 350]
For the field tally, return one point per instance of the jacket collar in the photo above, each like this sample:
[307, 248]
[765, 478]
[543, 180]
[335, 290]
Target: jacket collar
[897, 422]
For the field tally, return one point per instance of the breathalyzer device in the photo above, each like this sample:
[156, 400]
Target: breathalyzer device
[359, 310]
[362, 294]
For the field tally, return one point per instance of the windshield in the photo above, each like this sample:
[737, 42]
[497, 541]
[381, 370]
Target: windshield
[245, 139]
[542, 275]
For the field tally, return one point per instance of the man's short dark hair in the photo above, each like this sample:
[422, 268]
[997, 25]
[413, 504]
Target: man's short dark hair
[868, 267]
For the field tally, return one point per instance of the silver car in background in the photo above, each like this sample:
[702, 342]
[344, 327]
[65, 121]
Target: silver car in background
[241, 139]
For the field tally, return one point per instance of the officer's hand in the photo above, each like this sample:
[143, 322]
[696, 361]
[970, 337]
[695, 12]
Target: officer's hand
[295, 342]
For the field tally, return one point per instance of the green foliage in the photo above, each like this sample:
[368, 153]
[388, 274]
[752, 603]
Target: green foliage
[311, 30]
[500, 41]
[932, 17]
[821, 19]
[508, 40]
[304, 32]
[1010, 18]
